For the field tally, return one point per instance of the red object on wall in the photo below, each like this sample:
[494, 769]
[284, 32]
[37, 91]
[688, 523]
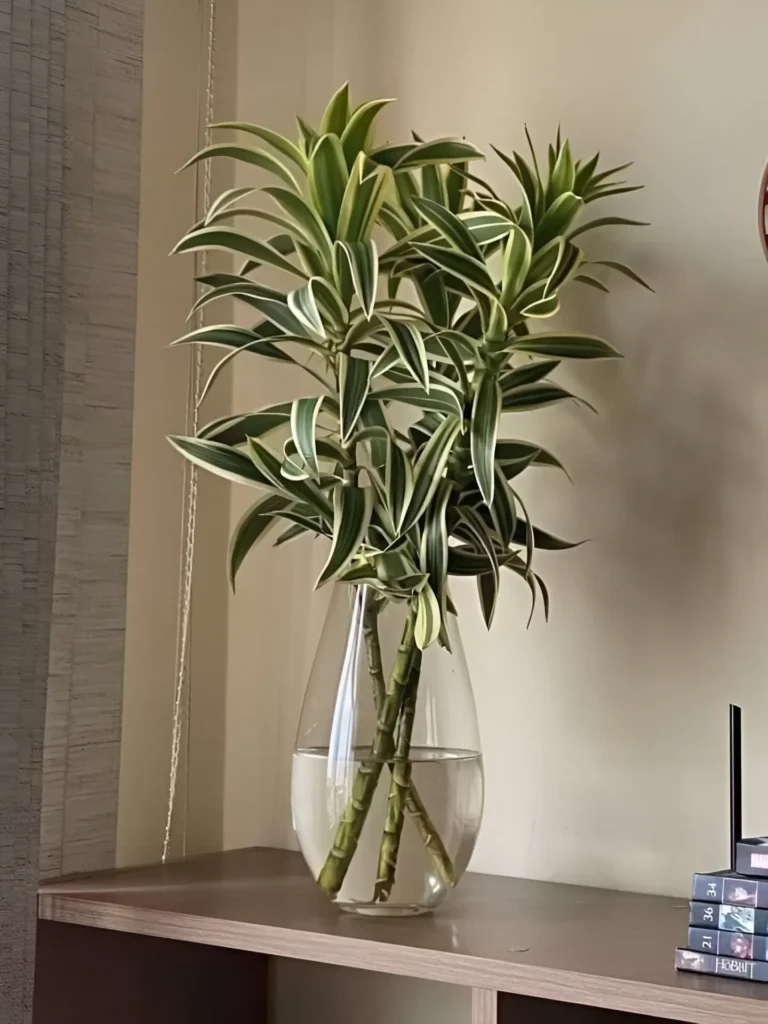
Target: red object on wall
[762, 211]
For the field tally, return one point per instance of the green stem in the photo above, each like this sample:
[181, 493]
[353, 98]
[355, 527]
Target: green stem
[333, 872]
[399, 789]
[373, 648]
[414, 805]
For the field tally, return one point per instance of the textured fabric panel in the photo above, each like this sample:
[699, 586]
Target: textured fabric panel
[31, 350]
[82, 739]
[70, 106]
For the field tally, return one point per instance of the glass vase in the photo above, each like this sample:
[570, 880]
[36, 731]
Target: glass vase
[387, 778]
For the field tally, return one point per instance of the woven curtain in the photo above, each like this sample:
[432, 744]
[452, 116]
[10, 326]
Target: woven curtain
[70, 108]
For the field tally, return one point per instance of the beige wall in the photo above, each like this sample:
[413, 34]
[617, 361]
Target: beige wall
[165, 293]
[604, 732]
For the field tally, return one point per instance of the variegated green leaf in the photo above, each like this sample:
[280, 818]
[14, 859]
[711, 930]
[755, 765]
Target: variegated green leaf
[308, 136]
[351, 515]
[282, 315]
[433, 184]
[278, 142]
[336, 113]
[606, 222]
[229, 463]
[362, 200]
[528, 531]
[439, 151]
[503, 511]
[398, 482]
[453, 230]
[486, 410]
[307, 219]
[241, 289]
[535, 396]
[354, 384]
[516, 263]
[303, 305]
[488, 592]
[390, 155]
[328, 179]
[558, 218]
[428, 618]
[255, 157]
[304, 413]
[362, 259]
[253, 525]
[439, 399]
[584, 173]
[361, 329]
[487, 226]
[566, 346]
[429, 469]
[410, 347]
[225, 335]
[434, 542]
[527, 374]
[357, 134]
[265, 460]
[508, 453]
[529, 182]
[541, 539]
[496, 321]
[373, 415]
[489, 588]
[563, 176]
[227, 198]
[234, 430]
[592, 282]
[235, 241]
[455, 186]
[621, 268]
[472, 271]
[458, 360]
[231, 212]
[297, 529]
[542, 308]
[259, 346]
[464, 560]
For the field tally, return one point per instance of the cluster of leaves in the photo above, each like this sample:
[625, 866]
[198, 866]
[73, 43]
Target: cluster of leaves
[417, 345]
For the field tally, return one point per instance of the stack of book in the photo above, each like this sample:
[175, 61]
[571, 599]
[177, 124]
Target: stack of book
[728, 927]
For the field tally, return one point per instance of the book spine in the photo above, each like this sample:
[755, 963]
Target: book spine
[727, 918]
[729, 888]
[752, 859]
[732, 944]
[724, 966]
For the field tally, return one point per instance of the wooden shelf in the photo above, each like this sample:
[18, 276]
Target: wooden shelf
[567, 944]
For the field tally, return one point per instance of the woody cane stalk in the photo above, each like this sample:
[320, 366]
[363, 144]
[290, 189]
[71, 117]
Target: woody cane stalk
[333, 872]
[414, 806]
[399, 788]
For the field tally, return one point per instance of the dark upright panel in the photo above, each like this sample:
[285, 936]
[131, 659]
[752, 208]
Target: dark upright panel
[524, 1010]
[90, 976]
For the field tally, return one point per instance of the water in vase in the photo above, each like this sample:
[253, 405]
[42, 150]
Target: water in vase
[445, 800]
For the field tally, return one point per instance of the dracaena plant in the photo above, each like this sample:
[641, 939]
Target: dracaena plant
[413, 300]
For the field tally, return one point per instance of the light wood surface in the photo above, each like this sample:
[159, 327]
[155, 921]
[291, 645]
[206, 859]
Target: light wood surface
[484, 1006]
[564, 943]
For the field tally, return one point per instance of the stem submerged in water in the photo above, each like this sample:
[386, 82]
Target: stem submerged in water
[399, 788]
[414, 805]
[333, 872]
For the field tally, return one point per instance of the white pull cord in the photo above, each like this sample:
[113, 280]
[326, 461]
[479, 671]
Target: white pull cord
[181, 695]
